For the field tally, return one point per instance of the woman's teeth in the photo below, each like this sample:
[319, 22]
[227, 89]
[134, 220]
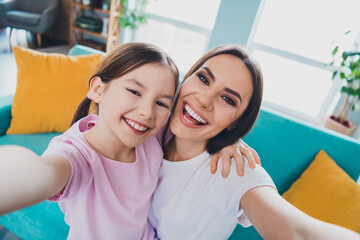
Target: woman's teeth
[136, 126]
[193, 115]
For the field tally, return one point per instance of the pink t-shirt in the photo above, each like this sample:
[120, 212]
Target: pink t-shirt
[106, 199]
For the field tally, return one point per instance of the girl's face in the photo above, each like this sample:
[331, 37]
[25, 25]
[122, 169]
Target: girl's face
[212, 98]
[135, 106]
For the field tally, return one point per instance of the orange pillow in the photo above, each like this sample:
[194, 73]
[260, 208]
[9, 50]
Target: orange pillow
[49, 89]
[325, 192]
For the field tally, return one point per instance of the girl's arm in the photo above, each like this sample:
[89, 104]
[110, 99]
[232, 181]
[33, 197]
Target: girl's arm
[27, 179]
[236, 151]
[275, 218]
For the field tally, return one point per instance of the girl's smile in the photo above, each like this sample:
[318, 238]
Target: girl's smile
[133, 107]
[136, 127]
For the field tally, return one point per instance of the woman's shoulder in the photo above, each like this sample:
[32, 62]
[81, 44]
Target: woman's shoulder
[234, 183]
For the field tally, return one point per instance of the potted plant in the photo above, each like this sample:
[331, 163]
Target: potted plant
[131, 18]
[347, 67]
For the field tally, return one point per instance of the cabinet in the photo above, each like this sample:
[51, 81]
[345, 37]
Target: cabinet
[104, 41]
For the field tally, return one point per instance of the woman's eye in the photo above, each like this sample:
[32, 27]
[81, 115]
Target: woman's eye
[134, 92]
[203, 79]
[161, 104]
[229, 100]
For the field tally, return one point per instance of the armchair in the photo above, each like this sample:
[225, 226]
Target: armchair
[36, 16]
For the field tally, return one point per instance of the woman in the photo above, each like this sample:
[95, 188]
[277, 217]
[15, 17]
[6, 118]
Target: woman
[218, 103]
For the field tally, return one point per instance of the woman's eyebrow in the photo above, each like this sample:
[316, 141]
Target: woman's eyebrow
[209, 72]
[236, 94]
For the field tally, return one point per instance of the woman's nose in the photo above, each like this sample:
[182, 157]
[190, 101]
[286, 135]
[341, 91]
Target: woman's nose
[206, 100]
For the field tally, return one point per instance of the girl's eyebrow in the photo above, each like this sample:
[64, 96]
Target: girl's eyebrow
[136, 82]
[142, 86]
[236, 94]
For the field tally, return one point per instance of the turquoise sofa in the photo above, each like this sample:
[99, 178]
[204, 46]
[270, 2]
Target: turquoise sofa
[286, 147]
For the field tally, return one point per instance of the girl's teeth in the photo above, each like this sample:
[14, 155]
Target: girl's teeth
[136, 126]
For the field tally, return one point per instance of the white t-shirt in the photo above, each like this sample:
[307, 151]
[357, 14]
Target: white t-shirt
[191, 203]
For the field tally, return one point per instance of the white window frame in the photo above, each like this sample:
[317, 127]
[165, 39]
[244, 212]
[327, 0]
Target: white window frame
[333, 95]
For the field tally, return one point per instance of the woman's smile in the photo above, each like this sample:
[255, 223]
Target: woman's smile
[191, 118]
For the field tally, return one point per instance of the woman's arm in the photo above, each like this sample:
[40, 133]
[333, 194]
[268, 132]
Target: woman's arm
[27, 179]
[236, 151]
[275, 218]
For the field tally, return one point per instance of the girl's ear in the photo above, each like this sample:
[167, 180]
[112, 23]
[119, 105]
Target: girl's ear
[96, 90]
[232, 126]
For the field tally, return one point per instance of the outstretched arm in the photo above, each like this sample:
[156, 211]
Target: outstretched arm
[275, 218]
[27, 179]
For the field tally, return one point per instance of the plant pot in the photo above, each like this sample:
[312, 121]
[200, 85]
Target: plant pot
[338, 127]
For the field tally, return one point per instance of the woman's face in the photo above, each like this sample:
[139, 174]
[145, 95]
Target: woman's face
[212, 98]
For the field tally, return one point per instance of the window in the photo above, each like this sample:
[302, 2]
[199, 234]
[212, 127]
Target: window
[293, 41]
[181, 28]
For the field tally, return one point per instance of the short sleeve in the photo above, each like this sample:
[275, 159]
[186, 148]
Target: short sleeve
[229, 191]
[80, 170]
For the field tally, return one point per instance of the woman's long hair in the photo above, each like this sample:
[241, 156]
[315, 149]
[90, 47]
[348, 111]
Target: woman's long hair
[246, 121]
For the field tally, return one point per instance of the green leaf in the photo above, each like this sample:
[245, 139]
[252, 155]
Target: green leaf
[351, 91]
[342, 75]
[344, 89]
[335, 50]
[334, 74]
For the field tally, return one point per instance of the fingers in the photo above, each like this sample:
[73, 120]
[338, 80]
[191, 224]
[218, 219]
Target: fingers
[249, 156]
[256, 156]
[239, 164]
[226, 161]
[214, 162]
[253, 153]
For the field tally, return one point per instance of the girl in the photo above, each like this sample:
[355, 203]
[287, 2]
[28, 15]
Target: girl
[219, 101]
[98, 169]
[99, 173]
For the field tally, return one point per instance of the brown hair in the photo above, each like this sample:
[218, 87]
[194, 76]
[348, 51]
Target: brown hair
[124, 59]
[246, 121]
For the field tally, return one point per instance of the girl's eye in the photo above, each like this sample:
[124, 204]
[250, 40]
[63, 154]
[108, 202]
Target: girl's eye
[229, 101]
[134, 92]
[161, 104]
[203, 79]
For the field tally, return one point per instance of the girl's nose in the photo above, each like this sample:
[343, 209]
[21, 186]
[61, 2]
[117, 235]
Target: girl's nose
[146, 111]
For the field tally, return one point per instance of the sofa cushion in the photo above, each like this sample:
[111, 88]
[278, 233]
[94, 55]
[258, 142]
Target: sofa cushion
[50, 86]
[36, 142]
[324, 191]
[23, 17]
[41, 221]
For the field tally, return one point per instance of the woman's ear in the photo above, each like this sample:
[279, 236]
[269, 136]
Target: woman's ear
[97, 87]
[232, 126]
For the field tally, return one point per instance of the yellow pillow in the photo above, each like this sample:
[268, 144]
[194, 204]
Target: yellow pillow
[325, 192]
[49, 89]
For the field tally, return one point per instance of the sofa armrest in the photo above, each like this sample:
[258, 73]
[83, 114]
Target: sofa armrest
[84, 50]
[5, 113]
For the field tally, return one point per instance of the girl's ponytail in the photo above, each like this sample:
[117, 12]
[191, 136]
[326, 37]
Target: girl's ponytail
[82, 110]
